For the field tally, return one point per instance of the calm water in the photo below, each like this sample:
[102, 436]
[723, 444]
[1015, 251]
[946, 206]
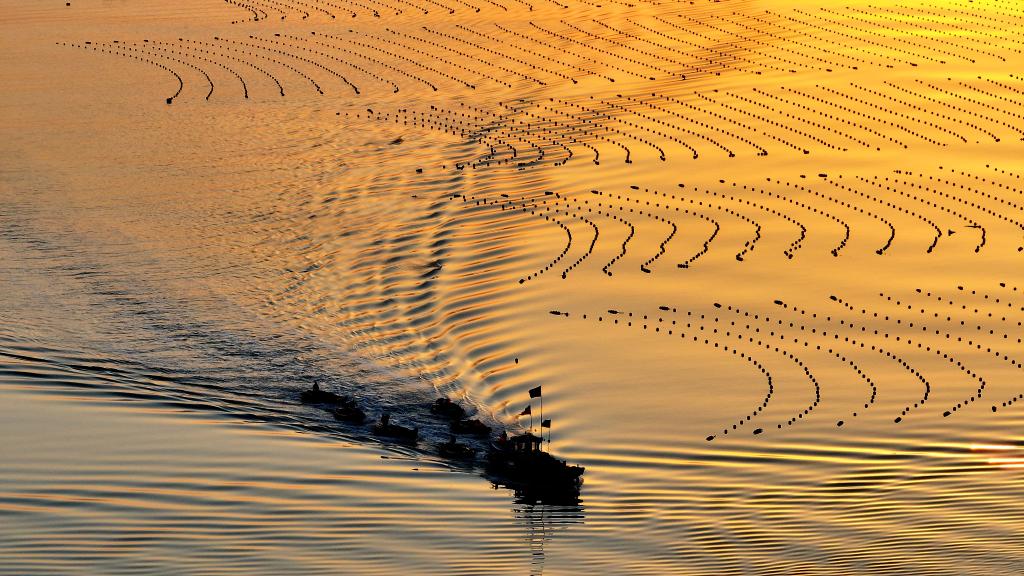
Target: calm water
[764, 259]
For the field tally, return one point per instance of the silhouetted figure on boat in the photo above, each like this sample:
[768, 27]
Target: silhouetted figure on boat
[316, 395]
[385, 428]
[448, 409]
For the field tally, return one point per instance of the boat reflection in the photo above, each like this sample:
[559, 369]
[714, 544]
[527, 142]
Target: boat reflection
[541, 524]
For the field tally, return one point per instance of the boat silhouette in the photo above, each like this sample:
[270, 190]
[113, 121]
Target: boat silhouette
[520, 463]
[384, 427]
[474, 427]
[317, 395]
[445, 407]
[456, 450]
[349, 412]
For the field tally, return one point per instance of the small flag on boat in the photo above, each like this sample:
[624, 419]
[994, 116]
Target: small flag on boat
[535, 392]
[546, 423]
[526, 411]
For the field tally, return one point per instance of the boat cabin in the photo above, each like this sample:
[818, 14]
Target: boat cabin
[525, 443]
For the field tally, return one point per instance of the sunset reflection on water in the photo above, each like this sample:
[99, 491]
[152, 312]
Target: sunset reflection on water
[763, 257]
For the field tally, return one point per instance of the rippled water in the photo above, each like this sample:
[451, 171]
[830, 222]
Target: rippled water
[764, 259]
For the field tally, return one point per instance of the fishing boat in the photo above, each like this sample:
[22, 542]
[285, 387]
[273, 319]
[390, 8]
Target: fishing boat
[317, 395]
[349, 412]
[521, 463]
[456, 450]
[473, 426]
[445, 407]
[384, 427]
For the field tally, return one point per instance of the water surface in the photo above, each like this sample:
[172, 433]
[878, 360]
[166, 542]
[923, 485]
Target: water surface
[763, 259]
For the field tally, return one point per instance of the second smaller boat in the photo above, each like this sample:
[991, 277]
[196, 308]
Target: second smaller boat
[456, 450]
[349, 412]
[316, 395]
[384, 427]
[474, 426]
[445, 407]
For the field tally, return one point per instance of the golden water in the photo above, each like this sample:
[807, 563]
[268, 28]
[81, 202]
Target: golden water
[763, 257]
